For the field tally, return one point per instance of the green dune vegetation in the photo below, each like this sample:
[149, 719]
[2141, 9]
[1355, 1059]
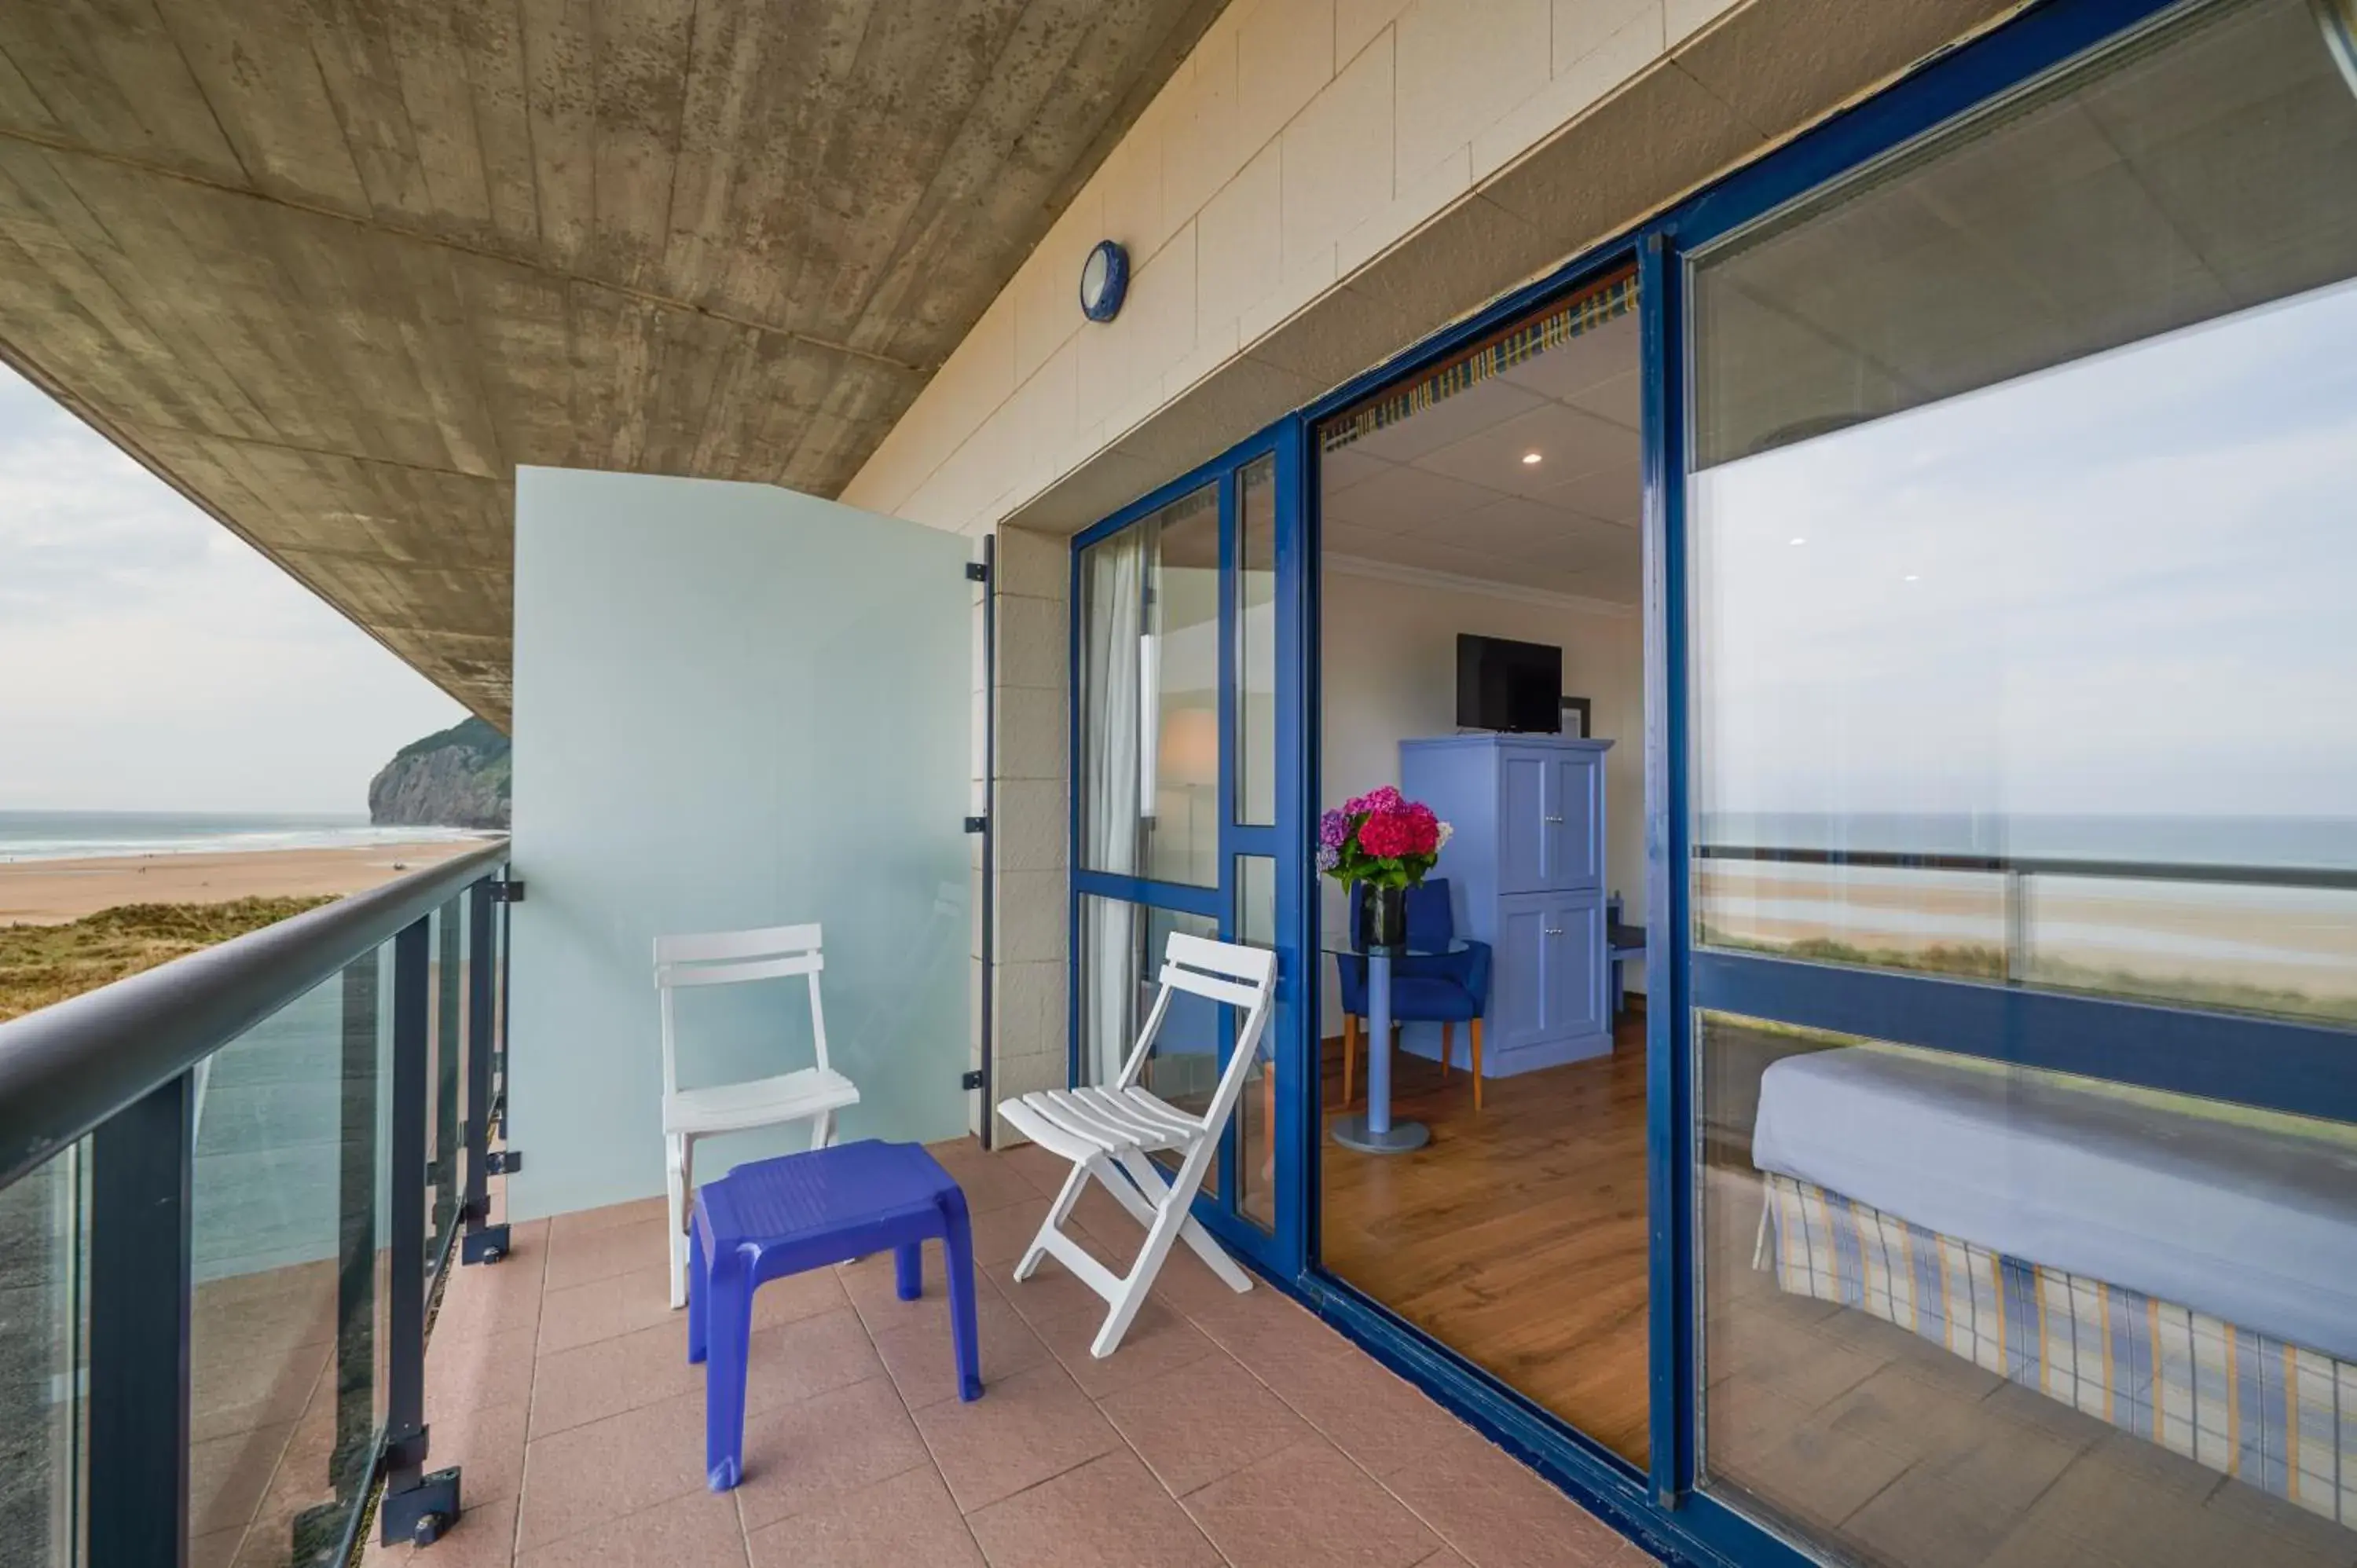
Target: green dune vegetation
[41, 965]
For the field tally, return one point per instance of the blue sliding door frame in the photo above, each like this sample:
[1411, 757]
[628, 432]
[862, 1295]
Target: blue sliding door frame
[1280, 1250]
[2258, 1061]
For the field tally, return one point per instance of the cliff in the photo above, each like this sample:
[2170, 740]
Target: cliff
[456, 779]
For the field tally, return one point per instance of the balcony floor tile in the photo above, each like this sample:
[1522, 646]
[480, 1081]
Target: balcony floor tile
[561, 1389]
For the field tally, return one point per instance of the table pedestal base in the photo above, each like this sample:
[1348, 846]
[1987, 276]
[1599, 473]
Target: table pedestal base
[1352, 1132]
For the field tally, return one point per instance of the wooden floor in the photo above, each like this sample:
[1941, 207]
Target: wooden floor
[1517, 1237]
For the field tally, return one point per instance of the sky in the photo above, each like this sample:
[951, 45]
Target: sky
[150, 659]
[2119, 586]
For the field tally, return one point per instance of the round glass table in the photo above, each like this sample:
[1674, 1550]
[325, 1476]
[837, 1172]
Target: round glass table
[1373, 1131]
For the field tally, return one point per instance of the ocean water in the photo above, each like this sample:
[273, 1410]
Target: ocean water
[77, 835]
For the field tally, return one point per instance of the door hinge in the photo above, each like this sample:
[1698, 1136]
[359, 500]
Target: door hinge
[977, 572]
[972, 1078]
[507, 890]
[977, 824]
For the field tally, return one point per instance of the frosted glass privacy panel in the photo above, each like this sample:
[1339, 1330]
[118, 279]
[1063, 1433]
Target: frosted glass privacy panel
[735, 707]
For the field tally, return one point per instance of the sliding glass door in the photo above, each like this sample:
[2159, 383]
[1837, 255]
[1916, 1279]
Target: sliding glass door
[1184, 786]
[2024, 837]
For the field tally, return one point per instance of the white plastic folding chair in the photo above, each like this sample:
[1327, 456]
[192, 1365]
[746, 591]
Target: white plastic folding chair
[1109, 1133]
[812, 1094]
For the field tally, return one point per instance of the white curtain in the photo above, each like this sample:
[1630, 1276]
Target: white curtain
[1113, 607]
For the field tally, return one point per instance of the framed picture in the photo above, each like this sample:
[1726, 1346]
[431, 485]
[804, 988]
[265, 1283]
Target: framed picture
[1576, 719]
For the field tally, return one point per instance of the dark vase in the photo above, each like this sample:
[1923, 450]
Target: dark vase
[1383, 916]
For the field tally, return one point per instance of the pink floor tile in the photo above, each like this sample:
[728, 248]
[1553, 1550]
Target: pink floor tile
[607, 1469]
[922, 1357]
[604, 1309]
[904, 1522]
[1496, 1512]
[1203, 1421]
[1000, 1235]
[226, 1477]
[1308, 1504]
[1107, 1514]
[481, 1370]
[696, 1530]
[588, 1222]
[484, 1537]
[1379, 1420]
[1044, 1171]
[819, 1450]
[1052, 1291]
[797, 1360]
[577, 1258]
[612, 1376]
[1024, 1430]
[858, 1452]
[487, 1443]
[797, 1296]
[1158, 1341]
[1266, 1331]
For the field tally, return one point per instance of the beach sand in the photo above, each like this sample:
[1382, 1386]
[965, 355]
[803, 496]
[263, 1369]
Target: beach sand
[48, 892]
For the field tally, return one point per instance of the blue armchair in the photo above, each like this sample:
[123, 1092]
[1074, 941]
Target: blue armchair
[1446, 989]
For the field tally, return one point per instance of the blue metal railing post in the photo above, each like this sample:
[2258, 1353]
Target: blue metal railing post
[141, 1294]
[417, 1506]
[483, 1242]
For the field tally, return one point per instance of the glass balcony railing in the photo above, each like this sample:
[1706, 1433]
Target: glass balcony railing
[2276, 941]
[230, 1188]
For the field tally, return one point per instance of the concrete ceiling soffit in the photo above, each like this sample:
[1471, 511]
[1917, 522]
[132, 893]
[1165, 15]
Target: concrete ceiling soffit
[334, 269]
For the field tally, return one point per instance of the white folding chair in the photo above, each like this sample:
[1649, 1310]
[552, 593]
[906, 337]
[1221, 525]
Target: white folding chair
[1109, 1133]
[812, 1094]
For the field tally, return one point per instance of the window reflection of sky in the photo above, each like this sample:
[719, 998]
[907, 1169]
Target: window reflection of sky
[2120, 586]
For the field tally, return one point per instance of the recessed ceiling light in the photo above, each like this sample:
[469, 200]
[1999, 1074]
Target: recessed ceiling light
[1529, 457]
[1913, 577]
[1799, 541]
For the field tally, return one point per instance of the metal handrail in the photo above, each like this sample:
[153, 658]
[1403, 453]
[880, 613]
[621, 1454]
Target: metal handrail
[69, 1066]
[2041, 865]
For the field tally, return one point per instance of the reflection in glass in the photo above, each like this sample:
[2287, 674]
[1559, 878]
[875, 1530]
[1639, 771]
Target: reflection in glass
[1150, 695]
[44, 1256]
[1121, 958]
[1256, 643]
[291, 1163]
[1960, 1311]
[2021, 540]
[1255, 926]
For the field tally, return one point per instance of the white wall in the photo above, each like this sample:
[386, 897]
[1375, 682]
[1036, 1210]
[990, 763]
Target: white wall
[734, 705]
[1389, 674]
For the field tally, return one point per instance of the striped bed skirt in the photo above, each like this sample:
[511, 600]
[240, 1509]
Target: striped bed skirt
[2275, 1417]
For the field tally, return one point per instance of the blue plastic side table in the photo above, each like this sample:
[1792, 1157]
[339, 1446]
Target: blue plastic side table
[806, 1211]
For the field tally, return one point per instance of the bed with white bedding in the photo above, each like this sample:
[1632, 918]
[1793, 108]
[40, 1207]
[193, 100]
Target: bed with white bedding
[2187, 1278]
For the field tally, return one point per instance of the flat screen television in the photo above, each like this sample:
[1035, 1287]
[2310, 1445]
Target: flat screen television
[1506, 685]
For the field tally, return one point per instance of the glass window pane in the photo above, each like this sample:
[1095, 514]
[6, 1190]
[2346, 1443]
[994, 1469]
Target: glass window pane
[44, 1258]
[1255, 926]
[2022, 545]
[1256, 643]
[1958, 1311]
[1121, 954]
[1150, 695]
[286, 1328]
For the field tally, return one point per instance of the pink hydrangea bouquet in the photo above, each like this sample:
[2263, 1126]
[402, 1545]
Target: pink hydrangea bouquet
[1382, 838]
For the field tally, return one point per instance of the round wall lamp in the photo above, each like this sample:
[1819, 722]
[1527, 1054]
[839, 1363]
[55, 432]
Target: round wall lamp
[1105, 279]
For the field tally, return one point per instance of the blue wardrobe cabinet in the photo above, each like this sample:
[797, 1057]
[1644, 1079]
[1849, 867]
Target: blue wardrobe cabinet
[1526, 869]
